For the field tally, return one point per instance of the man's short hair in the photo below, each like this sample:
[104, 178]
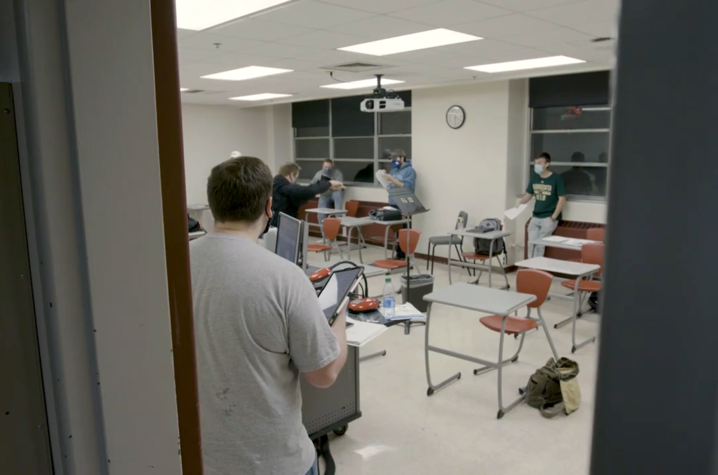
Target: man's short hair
[329, 161]
[546, 156]
[398, 153]
[238, 189]
[289, 169]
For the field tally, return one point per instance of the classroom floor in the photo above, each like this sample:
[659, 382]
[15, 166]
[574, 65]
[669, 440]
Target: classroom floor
[455, 431]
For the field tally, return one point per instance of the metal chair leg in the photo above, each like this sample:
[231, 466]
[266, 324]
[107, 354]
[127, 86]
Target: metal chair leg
[428, 255]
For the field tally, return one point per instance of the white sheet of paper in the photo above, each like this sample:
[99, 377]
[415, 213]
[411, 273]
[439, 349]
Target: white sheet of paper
[407, 312]
[381, 178]
[578, 242]
[513, 213]
[361, 333]
[556, 238]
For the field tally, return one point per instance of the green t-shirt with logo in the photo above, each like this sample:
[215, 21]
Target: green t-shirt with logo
[547, 192]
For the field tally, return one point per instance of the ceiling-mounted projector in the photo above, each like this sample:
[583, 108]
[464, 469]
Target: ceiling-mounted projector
[381, 100]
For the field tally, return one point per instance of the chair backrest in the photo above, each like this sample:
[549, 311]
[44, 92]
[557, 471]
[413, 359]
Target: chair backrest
[461, 220]
[596, 234]
[352, 208]
[331, 227]
[534, 282]
[593, 254]
[414, 236]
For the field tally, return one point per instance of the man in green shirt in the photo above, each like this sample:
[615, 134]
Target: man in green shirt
[550, 193]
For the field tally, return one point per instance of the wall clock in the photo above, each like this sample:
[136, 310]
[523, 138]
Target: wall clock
[455, 117]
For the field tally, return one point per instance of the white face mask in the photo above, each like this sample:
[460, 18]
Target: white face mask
[538, 169]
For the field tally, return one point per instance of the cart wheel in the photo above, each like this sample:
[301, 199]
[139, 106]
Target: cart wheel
[500, 414]
[342, 430]
[429, 391]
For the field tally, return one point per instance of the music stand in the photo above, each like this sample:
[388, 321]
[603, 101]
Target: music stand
[409, 205]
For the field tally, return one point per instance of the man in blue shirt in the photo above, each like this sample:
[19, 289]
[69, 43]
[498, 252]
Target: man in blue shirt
[402, 175]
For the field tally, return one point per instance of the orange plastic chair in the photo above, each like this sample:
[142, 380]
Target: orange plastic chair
[590, 254]
[412, 235]
[352, 208]
[330, 228]
[528, 281]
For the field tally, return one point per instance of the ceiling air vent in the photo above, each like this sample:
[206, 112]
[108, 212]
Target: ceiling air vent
[355, 67]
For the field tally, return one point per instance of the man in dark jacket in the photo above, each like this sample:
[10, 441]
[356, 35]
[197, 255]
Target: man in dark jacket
[288, 196]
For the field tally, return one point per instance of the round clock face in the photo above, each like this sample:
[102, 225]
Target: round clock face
[455, 117]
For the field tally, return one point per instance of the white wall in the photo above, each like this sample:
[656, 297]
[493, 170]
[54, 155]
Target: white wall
[211, 133]
[464, 169]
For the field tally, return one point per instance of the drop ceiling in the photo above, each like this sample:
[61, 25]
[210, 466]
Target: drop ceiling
[304, 36]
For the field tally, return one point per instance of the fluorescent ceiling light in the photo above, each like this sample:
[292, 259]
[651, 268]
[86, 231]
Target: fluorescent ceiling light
[250, 72]
[202, 14]
[183, 89]
[259, 97]
[362, 83]
[413, 42]
[526, 64]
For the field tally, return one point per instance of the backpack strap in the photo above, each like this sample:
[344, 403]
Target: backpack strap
[549, 412]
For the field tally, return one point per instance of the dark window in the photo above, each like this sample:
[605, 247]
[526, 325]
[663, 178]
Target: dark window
[354, 148]
[348, 120]
[312, 148]
[395, 123]
[387, 144]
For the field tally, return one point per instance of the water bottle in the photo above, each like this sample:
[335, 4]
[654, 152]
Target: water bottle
[389, 301]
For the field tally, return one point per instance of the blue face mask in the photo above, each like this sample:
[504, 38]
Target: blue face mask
[538, 169]
[396, 163]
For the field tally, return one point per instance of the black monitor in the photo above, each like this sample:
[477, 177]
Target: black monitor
[288, 238]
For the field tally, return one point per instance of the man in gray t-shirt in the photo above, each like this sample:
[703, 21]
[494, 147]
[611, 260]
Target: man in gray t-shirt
[258, 324]
[330, 198]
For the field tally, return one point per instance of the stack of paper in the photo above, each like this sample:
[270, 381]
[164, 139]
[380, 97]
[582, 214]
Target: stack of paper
[381, 178]
[579, 242]
[513, 213]
[406, 312]
[361, 333]
[556, 238]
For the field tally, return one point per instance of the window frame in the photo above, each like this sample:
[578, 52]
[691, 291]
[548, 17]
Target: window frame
[532, 132]
[377, 160]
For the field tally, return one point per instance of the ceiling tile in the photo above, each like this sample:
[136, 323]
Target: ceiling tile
[294, 64]
[208, 41]
[381, 27]
[325, 40]
[334, 57]
[479, 48]
[549, 37]
[260, 30]
[526, 5]
[514, 55]
[379, 6]
[505, 26]
[578, 13]
[185, 33]
[238, 59]
[312, 14]
[587, 53]
[602, 29]
[187, 55]
[450, 12]
[282, 50]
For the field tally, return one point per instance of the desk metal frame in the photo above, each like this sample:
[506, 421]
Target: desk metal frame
[351, 223]
[492, 236]
[484, 301]
[577, 270]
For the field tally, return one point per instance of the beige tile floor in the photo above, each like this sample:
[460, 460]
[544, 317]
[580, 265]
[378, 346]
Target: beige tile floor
[402, 431]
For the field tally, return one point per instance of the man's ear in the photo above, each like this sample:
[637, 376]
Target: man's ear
[268, 207]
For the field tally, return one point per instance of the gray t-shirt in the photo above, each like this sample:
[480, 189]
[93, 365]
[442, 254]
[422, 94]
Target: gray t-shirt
[257, 325]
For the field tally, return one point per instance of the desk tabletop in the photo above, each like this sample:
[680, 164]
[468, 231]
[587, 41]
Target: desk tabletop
[326, 211]
[352, 221]
[492, 235]
[480, 299]
[372, 271]
[558, 266]
[390, 223]
[196, 234]
[571, 244]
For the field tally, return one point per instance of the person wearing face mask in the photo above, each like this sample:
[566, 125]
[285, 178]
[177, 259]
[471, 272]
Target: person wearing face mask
[258, 328]
[550, 193]
[402, 175]
[330, 198]
[288, 196]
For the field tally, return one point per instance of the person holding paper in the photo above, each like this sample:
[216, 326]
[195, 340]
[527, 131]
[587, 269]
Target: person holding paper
[402, 175]
[331, 198]
[550, 193]
[288, 196]
[258, 329]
